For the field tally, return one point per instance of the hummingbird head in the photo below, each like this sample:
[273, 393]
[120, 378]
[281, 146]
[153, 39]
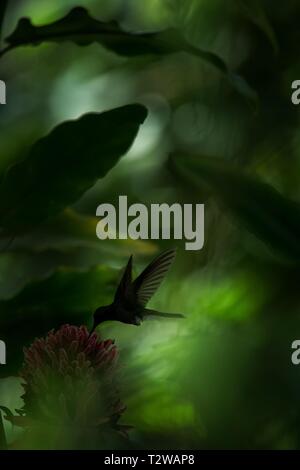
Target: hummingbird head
[102, 314]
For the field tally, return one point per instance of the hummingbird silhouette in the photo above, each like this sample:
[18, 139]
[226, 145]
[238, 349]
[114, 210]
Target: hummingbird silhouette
[131, 297]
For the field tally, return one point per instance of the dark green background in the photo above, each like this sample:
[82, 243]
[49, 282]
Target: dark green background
[221, 130]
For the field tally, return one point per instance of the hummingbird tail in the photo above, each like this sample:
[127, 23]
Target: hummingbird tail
[154, 313]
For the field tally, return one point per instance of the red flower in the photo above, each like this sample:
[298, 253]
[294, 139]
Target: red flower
[69, 381]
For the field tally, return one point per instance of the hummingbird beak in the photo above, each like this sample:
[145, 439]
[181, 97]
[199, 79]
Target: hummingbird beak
[92, 330]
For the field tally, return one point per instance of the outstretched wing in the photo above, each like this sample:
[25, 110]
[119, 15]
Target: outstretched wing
[125, 285]
[147, 283]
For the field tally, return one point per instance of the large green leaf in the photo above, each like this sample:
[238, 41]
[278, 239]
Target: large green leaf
[67, 296]
[79, 27]
[63, 165]
[271, 217]
[67, 240]
[71, 232]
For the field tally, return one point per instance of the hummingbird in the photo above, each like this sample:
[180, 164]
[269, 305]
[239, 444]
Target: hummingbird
[131, 297]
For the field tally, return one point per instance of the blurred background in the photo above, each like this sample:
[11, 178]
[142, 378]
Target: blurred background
[222, 377]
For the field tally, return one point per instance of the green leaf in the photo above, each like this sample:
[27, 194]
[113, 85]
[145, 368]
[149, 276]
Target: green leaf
[69, 240]
[79, 27]
[69, 231]
[67, 296]
[257, 206]
[63, 165]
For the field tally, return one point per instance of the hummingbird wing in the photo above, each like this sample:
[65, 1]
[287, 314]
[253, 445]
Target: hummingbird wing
[125, 286]
[147, 283]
